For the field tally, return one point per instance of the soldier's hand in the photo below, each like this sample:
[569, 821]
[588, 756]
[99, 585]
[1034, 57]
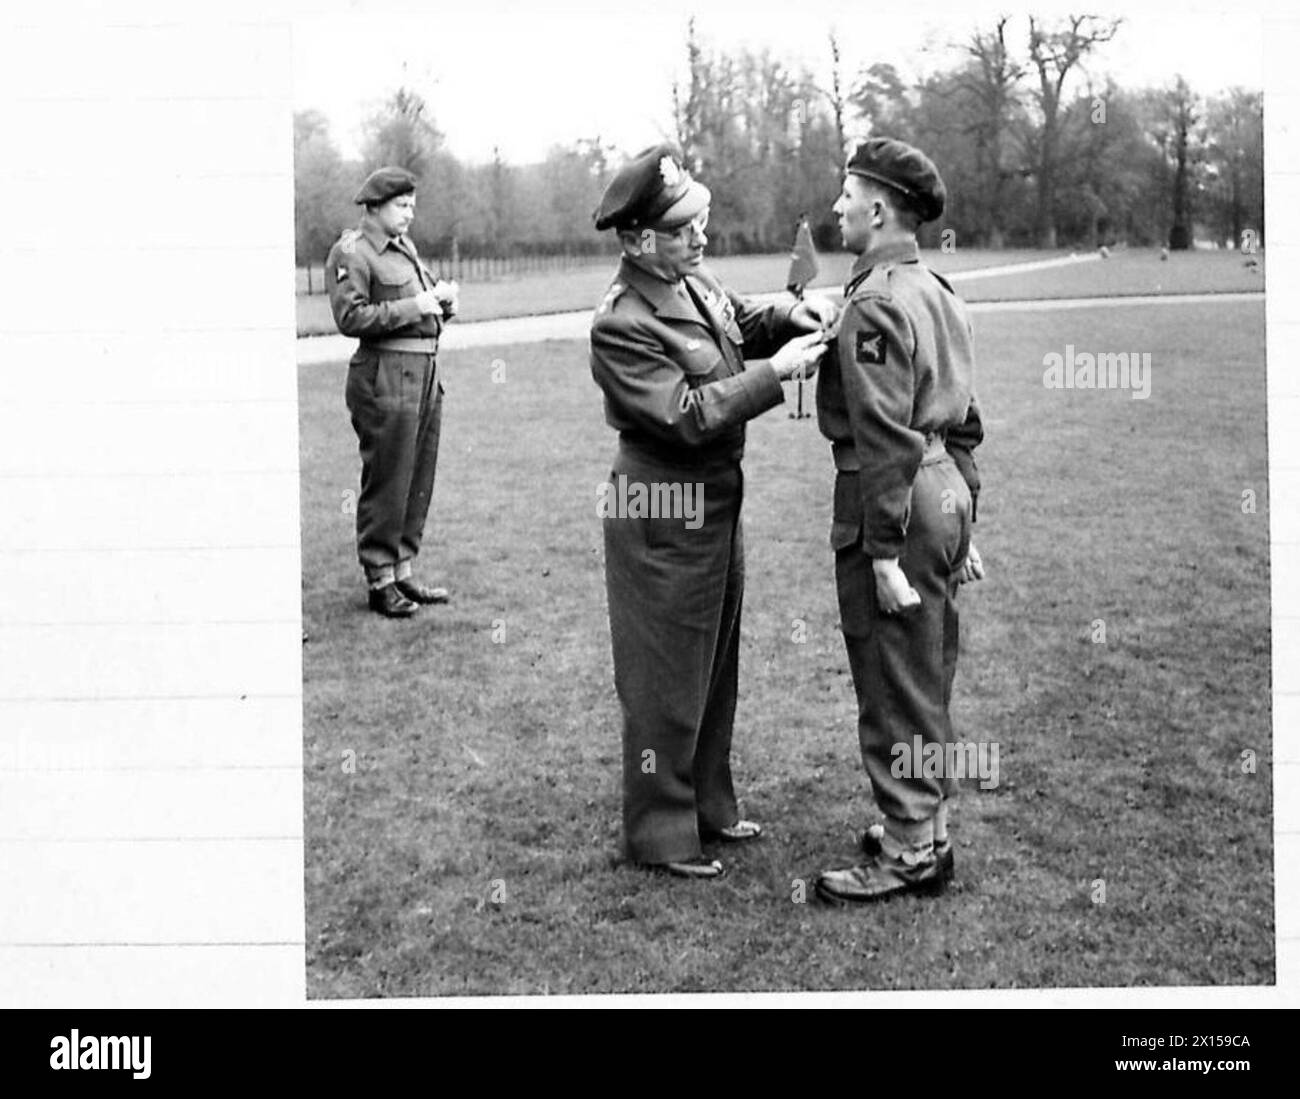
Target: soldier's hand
[815, 314]
[428, 302]
[448, 293]
[799, 356]
[894, 594]
[972, 568]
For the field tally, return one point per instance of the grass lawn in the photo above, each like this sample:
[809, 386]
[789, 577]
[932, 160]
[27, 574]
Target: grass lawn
[1131, 271]
[474, 847]
[1139, 271]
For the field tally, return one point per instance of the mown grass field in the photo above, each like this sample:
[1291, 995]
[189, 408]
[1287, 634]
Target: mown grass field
[474, 848]
[582, 287]
[1135, 271]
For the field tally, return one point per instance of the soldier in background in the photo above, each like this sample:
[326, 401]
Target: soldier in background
[668, 349]
[381, 293]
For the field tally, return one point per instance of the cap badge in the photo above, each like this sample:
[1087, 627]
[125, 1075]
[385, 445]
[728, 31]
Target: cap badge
[669, 172]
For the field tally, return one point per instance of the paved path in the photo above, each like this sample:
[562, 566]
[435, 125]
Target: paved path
[315, 350]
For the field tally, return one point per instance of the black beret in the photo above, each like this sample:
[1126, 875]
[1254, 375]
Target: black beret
[651, 189]
[383, 184]
[904, 168]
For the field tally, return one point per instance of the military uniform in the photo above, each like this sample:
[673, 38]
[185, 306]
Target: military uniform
[897, 401]
[671, 366]
[898, 404]
[393, 392]
[669, 355]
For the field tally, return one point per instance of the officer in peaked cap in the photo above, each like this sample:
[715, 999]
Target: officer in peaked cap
[381, 293]
[897, 402]
[668, 350]
[652, 189]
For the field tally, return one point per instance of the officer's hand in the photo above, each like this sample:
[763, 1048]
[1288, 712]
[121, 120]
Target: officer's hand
[799, 356]
[972, 568]
[815, 314]
[428, 302]
[894, 594]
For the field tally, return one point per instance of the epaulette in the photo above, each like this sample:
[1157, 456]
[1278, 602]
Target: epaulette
[611, 296]
[872, 291]
[942, 281]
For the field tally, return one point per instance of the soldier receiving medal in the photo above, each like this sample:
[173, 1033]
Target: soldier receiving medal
[897, 402]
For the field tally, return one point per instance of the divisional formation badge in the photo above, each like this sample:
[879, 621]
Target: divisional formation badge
[869, 347]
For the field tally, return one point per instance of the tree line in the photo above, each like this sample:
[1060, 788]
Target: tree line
[1035, 152]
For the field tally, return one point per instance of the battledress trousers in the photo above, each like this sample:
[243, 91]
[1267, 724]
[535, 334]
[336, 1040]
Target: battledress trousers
[393, 393]
[670, 361]
[897, 402]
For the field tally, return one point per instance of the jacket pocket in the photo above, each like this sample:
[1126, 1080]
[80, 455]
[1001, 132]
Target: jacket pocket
[390, 286]
[702, 364]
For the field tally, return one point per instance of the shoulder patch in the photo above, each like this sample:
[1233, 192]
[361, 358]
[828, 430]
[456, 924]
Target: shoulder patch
[611, 296]
[869, 346]
[348, 241]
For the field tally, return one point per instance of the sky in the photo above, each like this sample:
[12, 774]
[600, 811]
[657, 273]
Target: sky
[523, 77]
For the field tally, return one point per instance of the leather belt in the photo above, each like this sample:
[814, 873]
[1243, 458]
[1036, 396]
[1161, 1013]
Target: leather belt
[846, 454]
[426, 345]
